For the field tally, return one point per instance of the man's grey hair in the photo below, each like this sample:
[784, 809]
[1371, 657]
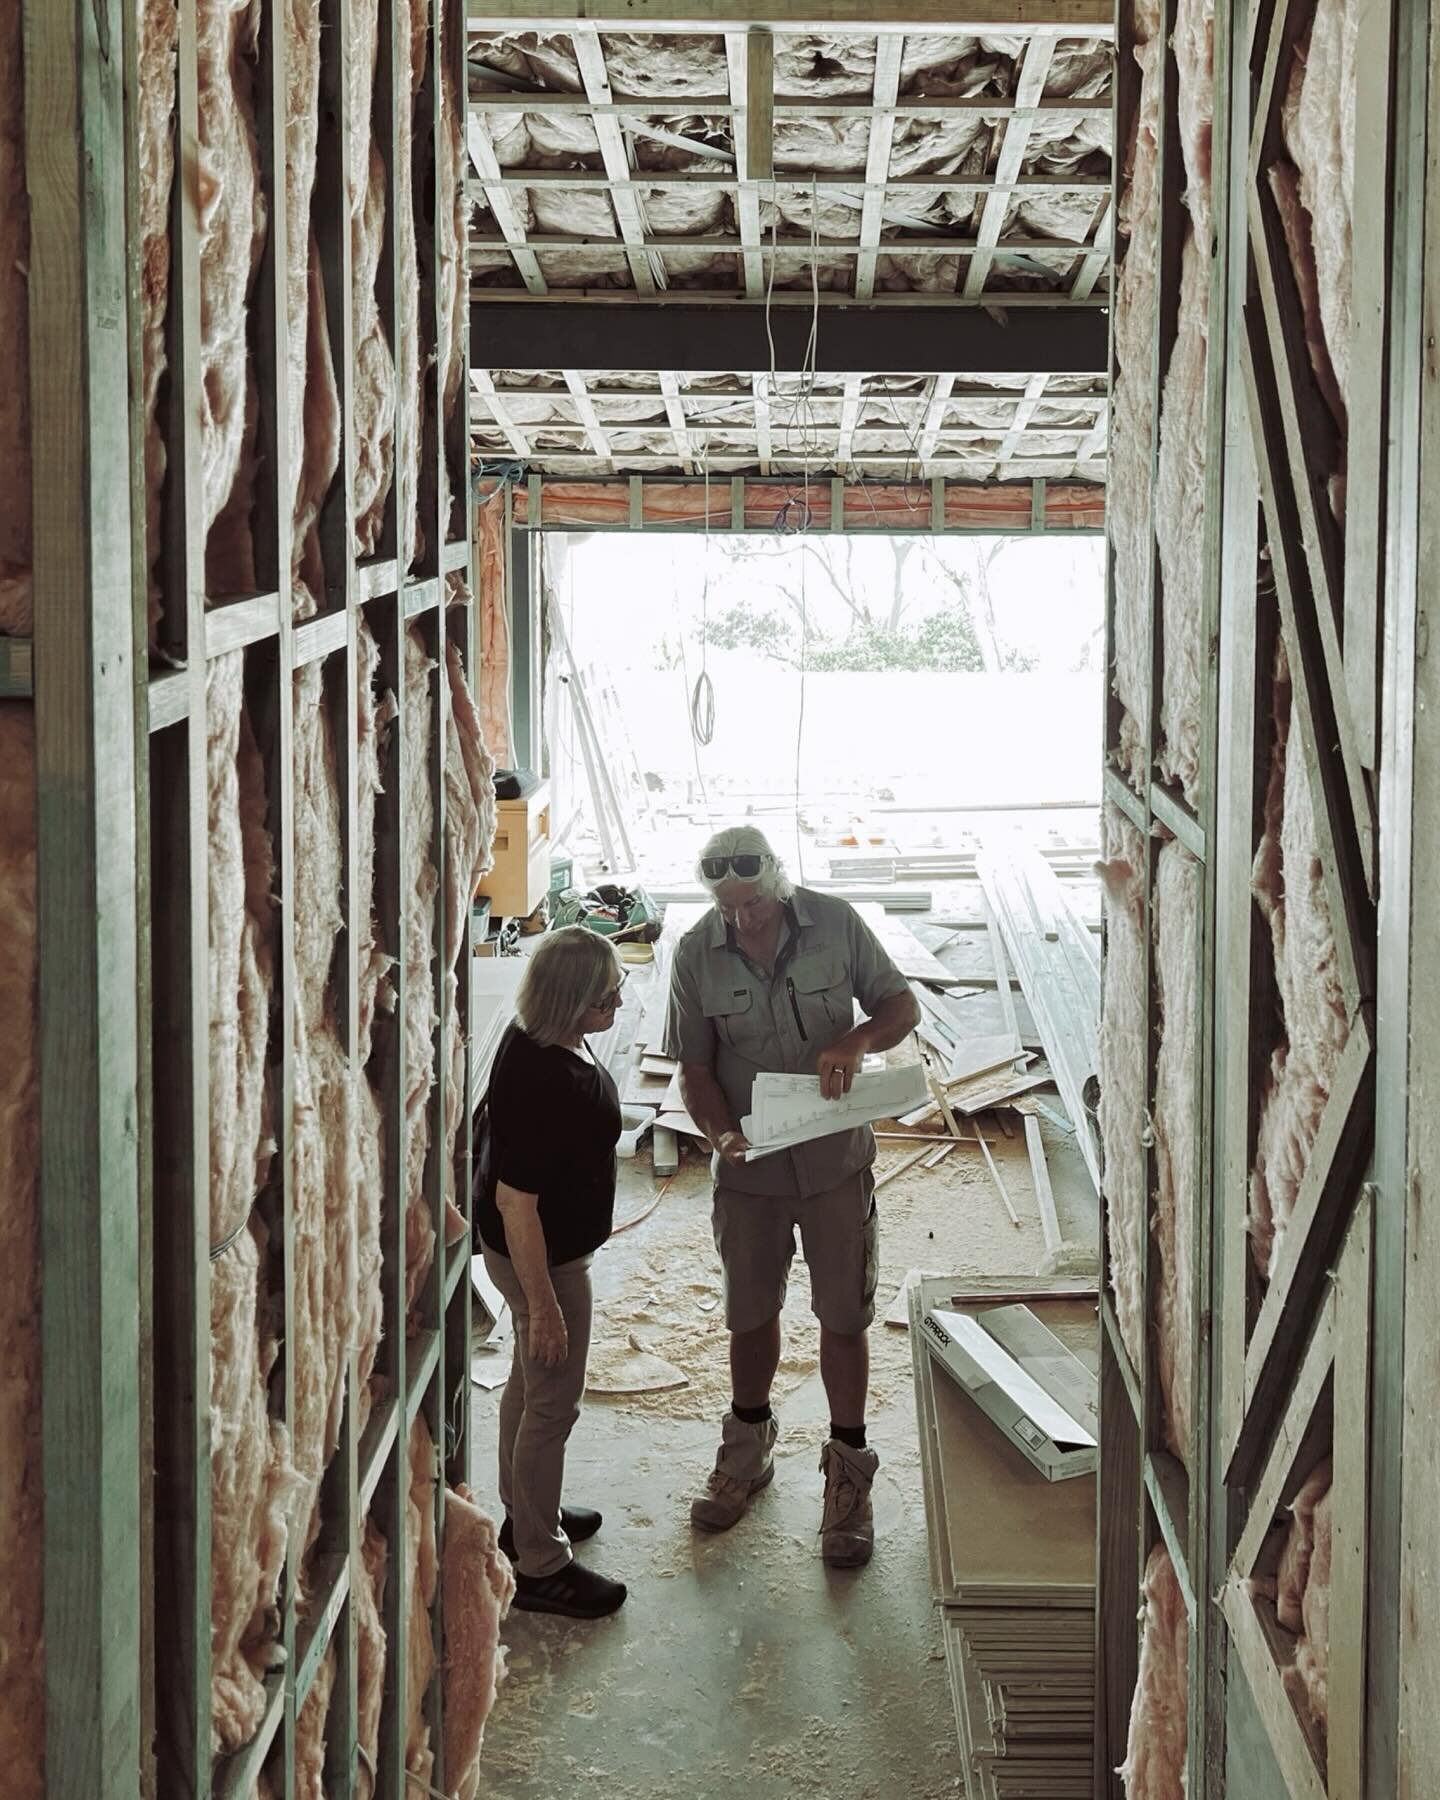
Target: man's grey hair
[569, 971]
[746, 840]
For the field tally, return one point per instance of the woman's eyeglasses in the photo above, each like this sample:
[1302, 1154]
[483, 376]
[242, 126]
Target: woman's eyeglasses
[744, 868]
[609, 1002]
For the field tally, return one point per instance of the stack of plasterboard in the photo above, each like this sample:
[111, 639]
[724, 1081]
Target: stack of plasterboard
[1012, 1562]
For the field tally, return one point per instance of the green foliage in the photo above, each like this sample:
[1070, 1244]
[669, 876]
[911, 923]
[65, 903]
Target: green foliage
[745, 627]
[941, 643]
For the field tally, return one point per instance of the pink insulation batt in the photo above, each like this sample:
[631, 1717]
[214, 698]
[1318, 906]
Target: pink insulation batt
[310, 1732]
[1194, 41]
[453, 240]
[373, 374]
[1132, 411]
[1288, 883]
[1177, 926]
[421, 884]
[479, 1587]
[1122, 1070]
[370, 1124]
[241, 975]
[22, 1599]
[1301, 1588]
[1317, 122]
[326, 1152]
[1314, 190]
[252, 1489]
[370, 1658]
[411, 57]
[470, 837]
[15, 551]
[1155, 1755]
[1180, 528]
[422, 1580]
[159, 32]
[1312, 1653]
[232, 225]
[494, 632]
[252, 1482]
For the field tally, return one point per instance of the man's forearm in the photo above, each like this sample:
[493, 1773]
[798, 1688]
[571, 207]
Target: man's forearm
[706, 1103]
[893, 1021]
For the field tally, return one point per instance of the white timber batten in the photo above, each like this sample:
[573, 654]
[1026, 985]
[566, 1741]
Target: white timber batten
[585, 412]
[939, 399]
[501, 201]
[748, 195]
[1024, 412]
[483, 386]
[1039, 54]
[762, 423]
[675, 414]
[888, 54]
[849, 419]
[1098, 260]
[616, 155]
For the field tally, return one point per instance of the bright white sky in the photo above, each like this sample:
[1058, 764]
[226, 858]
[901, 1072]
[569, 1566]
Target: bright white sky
[627, 595]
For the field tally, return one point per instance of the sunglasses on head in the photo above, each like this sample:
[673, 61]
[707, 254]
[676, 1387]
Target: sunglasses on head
[744, 868]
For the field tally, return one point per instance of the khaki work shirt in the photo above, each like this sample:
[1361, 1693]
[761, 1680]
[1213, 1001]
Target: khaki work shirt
[726, 1012]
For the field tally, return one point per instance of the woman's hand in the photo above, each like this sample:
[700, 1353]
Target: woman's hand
[549, 1340]
[732, 1146]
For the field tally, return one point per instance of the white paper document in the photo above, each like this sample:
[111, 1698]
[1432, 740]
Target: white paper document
[790, 1109]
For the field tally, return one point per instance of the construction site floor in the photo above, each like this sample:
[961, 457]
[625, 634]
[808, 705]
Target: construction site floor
[741, 1665]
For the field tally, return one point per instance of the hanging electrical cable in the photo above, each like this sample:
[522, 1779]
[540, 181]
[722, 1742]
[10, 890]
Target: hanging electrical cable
[702, 697]
[805, 396]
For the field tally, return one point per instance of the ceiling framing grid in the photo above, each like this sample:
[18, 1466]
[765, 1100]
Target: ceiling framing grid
[930, 174]
[888, 204]
[123, 735]
[576, 423]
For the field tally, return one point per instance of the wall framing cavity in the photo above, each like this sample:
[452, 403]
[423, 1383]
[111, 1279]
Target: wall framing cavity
[236, 681]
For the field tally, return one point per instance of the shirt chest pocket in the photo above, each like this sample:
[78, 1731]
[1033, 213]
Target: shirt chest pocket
[821, 996]
[733, 1013]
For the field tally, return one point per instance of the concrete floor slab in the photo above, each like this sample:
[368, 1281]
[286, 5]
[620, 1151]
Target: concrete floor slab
[740, 1664]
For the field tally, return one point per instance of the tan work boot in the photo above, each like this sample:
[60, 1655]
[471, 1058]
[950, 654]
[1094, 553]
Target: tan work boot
[744, 1465]
[847, 1528]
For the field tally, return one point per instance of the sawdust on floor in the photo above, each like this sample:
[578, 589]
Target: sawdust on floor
[740, 1658]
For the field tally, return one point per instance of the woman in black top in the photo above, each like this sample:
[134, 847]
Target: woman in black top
[546, 1206]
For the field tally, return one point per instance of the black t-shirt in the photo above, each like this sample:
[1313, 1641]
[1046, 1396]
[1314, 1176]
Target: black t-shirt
[554, 1124]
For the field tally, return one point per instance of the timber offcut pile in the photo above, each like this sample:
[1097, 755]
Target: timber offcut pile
[1012, 1563]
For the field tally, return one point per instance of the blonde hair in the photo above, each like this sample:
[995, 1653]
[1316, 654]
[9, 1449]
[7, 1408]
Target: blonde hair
[569, 971]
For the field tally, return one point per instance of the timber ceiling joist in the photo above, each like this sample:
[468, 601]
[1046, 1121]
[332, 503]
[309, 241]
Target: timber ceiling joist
[900, 427]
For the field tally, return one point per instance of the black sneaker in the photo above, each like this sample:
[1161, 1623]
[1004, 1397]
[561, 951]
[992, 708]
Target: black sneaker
[579, 1523]
[573, 1592]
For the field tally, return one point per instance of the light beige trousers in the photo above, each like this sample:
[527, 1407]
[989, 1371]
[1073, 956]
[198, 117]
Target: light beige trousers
[538, 1411]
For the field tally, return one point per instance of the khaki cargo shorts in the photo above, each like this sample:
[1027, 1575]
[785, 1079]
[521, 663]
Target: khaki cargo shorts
[839, 1239]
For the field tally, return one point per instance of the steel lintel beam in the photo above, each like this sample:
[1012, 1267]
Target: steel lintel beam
[1058, 18]
[671, 335]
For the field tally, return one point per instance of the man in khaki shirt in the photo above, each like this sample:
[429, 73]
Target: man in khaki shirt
[767, 982]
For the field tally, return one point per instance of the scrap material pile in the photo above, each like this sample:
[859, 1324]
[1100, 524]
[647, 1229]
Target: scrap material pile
[1012, 1556]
